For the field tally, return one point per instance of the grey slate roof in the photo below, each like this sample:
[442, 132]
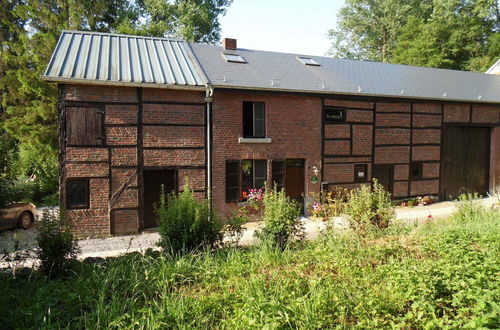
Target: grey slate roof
[282, 71]
[121, 59]
[104, 58]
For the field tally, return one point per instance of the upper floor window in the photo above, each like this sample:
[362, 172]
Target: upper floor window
[84, 126]
[254, 120]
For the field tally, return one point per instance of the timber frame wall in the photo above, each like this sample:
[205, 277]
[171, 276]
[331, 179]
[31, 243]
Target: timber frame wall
[397, 132]
[154, 129]
[139, 125]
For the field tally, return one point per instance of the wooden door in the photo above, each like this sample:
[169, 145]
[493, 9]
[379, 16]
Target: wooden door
[465, 162]
[294, 179]
[384, 175]
[153, 182]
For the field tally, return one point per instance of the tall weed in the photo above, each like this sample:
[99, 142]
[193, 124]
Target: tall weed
[370, 207]
[57, 246]
[281, 219]
[468, 208]
[187, 223]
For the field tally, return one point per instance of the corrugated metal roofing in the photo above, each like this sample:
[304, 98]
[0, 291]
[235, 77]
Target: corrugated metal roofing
[122, 59]
[282, 71]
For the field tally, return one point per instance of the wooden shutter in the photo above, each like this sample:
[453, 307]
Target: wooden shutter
[278, 173]
[232, 180]
[84, 126]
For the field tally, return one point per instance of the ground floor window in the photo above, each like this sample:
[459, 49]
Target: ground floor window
[241, 176]
[77, 194]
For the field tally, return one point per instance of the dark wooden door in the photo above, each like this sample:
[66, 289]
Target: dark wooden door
[466, 159]
[153, 181]
[384, 175]
[294, 179]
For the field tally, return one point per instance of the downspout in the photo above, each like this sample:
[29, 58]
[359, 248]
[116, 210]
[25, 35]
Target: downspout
[209, 99]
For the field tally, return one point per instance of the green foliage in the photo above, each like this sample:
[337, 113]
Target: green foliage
[370, 207]
[187, 223]
[468, 208]
[57, 246]
[29, 31]
[281, 219]
[234, 226]
[455, 34]
[442, 275]
[193, 20]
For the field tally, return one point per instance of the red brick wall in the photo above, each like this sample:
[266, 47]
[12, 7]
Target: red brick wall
[121, 151]
[456, 113]
[392, 136]
[173, 114]
[121, 114]
[173, 136]
[293, 123]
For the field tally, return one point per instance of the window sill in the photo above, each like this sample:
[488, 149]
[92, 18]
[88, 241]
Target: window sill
[254, 140]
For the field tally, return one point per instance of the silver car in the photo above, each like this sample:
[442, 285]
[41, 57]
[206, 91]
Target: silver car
[17, 215]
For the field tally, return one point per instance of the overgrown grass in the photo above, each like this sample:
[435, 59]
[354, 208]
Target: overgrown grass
[442, 274]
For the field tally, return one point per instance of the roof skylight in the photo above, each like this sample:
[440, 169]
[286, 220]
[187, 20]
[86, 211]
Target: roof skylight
[308, 61]
[234, 58]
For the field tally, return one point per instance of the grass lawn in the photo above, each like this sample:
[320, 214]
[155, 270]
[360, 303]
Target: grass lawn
[442, 274]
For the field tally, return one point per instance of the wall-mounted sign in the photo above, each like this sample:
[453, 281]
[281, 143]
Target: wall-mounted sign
[334, 115]
[314, 179]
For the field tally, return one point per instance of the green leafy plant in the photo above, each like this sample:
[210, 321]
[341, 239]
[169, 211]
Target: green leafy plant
[327, 204]
[187, 223]
[57, 246]
[281, 219]
[370, 206]
[468, 207]
[234, 226]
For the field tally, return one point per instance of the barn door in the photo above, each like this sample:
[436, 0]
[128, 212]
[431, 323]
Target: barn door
[383, 174]
[153, 182]
[465, 162]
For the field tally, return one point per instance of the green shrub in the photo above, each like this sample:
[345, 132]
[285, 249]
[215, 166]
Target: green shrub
[468, 208]
[57, 246]
[281, 219]
[233, 227]
[187, 223]
[370, 207]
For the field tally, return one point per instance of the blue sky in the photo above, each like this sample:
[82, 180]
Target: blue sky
[292, 26]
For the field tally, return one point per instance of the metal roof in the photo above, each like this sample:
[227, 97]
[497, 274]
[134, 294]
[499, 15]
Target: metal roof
[90, 57]
[266, 70]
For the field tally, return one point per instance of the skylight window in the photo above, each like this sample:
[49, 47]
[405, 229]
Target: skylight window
[308, 61]
[234, 58]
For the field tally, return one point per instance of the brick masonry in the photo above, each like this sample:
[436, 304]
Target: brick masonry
[173, 136]
[116, 164]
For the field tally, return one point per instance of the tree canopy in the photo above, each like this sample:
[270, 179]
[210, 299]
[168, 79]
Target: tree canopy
[29, 30]
[454, 34]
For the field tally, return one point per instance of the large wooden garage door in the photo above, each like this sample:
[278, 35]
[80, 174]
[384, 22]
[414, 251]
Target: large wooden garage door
[466, 159]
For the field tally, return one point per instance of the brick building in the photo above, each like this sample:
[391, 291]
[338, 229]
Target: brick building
[137, 113]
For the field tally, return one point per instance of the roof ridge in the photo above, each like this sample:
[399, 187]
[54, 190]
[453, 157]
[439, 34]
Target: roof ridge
[124, 35]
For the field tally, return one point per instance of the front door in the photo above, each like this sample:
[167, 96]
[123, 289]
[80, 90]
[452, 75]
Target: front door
[383, 174]
[465, 163]
[153, 182]
[294, 179]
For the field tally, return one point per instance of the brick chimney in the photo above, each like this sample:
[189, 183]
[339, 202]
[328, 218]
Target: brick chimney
[229, 43]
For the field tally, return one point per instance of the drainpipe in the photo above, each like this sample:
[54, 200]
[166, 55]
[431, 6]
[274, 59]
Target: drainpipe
[209, 99]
